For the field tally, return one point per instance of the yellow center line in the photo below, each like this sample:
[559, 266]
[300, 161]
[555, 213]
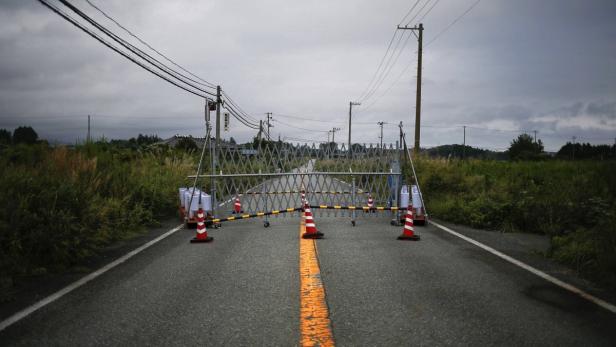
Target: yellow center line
[315, 325]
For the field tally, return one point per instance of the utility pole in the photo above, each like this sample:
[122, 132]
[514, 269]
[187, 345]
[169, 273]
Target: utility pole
[218, 106]
[401, 146]
[351, 104]
[535, 131]
[573, 147]
[88, 137]
[464, 143]
[334, 134]
[269, 117]
[260, 130]
[420, 29]
[381, 137]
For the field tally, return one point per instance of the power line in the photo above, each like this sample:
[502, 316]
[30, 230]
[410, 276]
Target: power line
[429, 10]
[237, 112]
[211, 85]
[239, 115]
[155, 62]
[232, 112]
[409, 12]
[300, 128]
[117, 50]
[453, 23]
[389, 88]
[380, 65]
[228, 98]
[381, 70]
[388, 68]
[241, 118]
[316, 120]
[418, 12]
[297, 139]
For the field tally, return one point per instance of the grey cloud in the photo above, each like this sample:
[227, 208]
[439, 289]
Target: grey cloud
[607, 110]
[503, 66]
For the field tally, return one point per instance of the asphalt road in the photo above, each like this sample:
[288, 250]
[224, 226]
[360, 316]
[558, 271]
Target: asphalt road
[244, 289]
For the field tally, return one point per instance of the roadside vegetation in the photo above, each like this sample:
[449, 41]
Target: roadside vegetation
[571, 201]
[62, 204]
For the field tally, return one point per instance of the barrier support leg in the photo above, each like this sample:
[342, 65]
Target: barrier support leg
[266, 223]
[353, 201]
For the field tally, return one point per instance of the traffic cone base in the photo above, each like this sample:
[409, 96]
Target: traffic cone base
[409, 238]
[202, 240]
[316, 235]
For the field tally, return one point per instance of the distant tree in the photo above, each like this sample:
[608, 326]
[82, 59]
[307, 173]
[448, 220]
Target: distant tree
[328, 147]
[24, 134]
[357, 148]
[524, 148]
[5, 137]
[261, 143]
[148, 139]
[187, 144]
[586, 151]
[145, 140]
[460, 151]
[232, 141]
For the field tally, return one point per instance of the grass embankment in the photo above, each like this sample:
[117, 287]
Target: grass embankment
[572, 202]
[60, 205]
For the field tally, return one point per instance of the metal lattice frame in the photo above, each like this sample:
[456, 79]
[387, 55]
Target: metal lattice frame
[270, 175]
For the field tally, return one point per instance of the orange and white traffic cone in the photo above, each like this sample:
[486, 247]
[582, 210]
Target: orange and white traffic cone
[237, 205]
[370, 203]
[408, 233]
[311, 228]
[201, 230]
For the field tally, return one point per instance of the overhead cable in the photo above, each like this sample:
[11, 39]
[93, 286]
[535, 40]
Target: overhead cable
[228, 98]
[409, 12]
[117, 50]
[299, 128]
[418, 12]
[429, 10]
[143, 55]
[452, 23]
[211, 85]
[390, 66]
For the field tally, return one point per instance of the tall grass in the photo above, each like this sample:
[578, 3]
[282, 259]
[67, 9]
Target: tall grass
[60, 205]
[572, 202]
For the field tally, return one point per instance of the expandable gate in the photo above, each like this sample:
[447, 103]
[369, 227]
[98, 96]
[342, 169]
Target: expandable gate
[270, 176]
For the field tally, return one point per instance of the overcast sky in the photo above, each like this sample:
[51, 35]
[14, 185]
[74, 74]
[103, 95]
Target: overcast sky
[547, 65]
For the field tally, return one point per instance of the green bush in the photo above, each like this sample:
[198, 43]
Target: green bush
[572, 202]
[60, 205]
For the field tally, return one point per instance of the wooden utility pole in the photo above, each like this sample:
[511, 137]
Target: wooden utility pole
[420, 29]
[269, 117]
[381, 137]
[333, 131]
[218, 106]
[351, 104]
[260, 130]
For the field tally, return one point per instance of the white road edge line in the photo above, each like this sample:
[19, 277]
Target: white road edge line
[606, 305]
[57, 295]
